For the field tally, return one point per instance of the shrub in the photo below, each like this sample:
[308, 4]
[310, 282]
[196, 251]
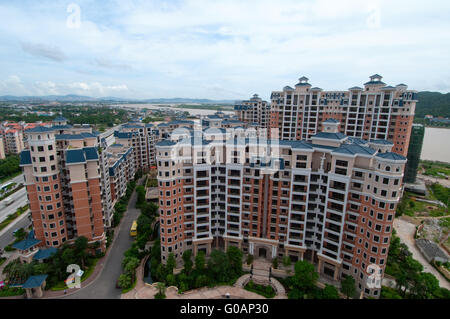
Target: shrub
[275, 263]
[249, 259]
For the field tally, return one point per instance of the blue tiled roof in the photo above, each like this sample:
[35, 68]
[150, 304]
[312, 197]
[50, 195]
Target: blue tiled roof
[123, 134]
[60, 137]
[90, 153]
[45, 253]
[374, 82]
[288, 88]
[296, 144]
[355, 140]
[354, 149]
[131, 125]
[355, 88]
[165, 143]
[61, 127]
[163, 125]
[25, 157]
[34, 281]
[39, 129]
[332, 136]
[75, 156]
[391, 156]
[383, 142]
[27, 243]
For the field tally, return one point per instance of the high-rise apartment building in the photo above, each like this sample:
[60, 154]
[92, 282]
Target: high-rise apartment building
[142, 138]
[414, 151]
[330, 200]
[64, 172]
[376, 111]
[254, 111]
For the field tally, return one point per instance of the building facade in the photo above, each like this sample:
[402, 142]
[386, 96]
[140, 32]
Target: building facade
[63, 172]
[254, 111]
[330, 200]
[374, 112]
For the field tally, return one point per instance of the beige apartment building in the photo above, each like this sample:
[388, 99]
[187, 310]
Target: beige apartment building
[254, 111]
[374, 112]
[330, 200]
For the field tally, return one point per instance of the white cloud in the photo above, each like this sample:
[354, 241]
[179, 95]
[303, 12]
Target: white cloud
[223, 49]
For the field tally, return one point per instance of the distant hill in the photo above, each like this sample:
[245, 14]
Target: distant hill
[433, 103]
[80, 98]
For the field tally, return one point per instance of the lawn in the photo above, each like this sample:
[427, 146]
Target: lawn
[435, 169]
[62, 285]
[411, 207]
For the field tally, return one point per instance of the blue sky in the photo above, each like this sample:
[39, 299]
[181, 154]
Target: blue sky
[219, 49]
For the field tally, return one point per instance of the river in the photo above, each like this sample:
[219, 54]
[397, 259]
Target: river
[436, 145]
[191, 111]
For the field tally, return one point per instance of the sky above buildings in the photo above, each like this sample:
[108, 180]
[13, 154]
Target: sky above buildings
[219, 49]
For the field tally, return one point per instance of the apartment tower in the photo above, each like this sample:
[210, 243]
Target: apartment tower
[373, 112]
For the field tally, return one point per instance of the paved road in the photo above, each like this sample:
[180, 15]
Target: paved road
[104, 287]
[405, 231]
[7, 237]
[20, 199]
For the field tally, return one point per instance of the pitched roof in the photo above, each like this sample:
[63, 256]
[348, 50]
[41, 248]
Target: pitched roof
[45, 253]
[39, 129]
[75, 156]
[353, 149]
[391, 156]
[34, 281]
[332, 136]
[166, 143]
[28, 242]
[381, 142]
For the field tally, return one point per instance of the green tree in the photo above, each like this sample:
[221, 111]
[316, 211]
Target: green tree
[130, 267]
[305, 276]
[425, 286]
[81, 244]
[348, 286]
[170, 264]
[219, 267]
[170, 279]
[200, 261]
[20, 234]
[161, 290]
[330, 292]
[125, 281]
[187, 259]
[234, 255]
[286, 261]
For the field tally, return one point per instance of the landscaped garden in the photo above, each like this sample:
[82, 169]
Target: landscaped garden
[266, 291]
